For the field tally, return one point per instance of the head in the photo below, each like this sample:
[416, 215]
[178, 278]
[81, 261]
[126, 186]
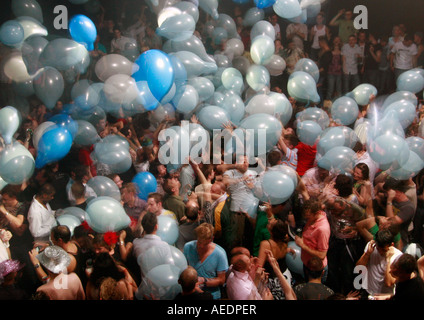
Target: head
[274, 19]
[315, 268]
[344, 185]
[323, 42]
[408, 40]
[154, 203]
[311, 208]
[78, 190]
[320, 18]
[188, 279]
[418, 37]
[10, 195]
[100, 245]
[278, 230]
[172, 186]
[192, 210]
[241, 263]
[117, 179]
[117, 33]
[149, 222]
[403, 267]
[274, 157]
[361, 172]
[46, 193]
[322, 173]
[362, 36]
[384, 239]
[82, 174]
[348, 15]
[204, 235]
[129, 192]
[352, 40]
[60, 235]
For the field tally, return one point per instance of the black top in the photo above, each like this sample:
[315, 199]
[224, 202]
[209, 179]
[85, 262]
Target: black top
[412, 289]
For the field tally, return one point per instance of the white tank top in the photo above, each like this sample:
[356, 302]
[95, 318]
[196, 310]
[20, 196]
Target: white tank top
[318, 33]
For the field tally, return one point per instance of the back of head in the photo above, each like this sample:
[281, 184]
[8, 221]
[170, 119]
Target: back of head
[274, 157]
[78, 189]
[406, 263]
[188, 279]
[344, 185]
[192, 210]
[149, 222]
[315, 268]
[384, 237]
[240, 262]
[46, 189]
[279, 231]
[61, 232]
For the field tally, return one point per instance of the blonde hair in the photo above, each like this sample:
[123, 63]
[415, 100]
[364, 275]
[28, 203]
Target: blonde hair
[205, 231]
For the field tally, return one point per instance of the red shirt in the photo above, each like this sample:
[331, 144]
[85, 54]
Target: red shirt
[305, 157]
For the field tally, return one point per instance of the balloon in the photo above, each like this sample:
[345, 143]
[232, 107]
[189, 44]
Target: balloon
[145, 96]
[114, 152]
[86, 134]
[416, 144]
[258, 77]
[190, 8]
[411, 168]
[283, 107]
[16, 164]
[104, 186]
[219, 35]
[146, 183]
[163, 111]
[78, 1]
[315, 114]
[72, 211]
[53, 145]
[112, 64]
[192, 44]
[234, 47]
[308, 66]
[65, 121]
[32, 27]
[106, 214]
[13, 68]
[232, 79]
[252, 16]
[262, 49]
[189, 100]
[70, 221]
[11, 33]
[388, 148]
[330, 138]
[287, 9]
[277, 187]
[227, 22]
[29, 8]
[31, 50]
[213, 117]
[308, 131]
[158, 255]
[49, 86]
[234, 106]
[178, 28]
[261, 103]
[410, 81]
[275, 65]
[83, 30]
[242, 64]
[39, 131]
[363, 92]
[400, 96]
[210, 7]
[120, 88]
[155, 67]
[161, 282]
[294, 262]
[9, 123]
[404, 111]
[84, 95]
[270, 127]
[166, 13]
[302, 87]
[264, 3]
[340, 158]
[345, 110]
[167, 229]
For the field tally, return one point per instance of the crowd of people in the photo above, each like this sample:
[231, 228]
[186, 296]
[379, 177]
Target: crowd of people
[339, 222]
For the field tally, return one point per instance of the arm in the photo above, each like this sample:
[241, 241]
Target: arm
[333, 22]
[388, 279]
[16, 223]
[41, 274]
[303, 246]
[288, 290]
[364, 259]
[219, 280]
[363, 226]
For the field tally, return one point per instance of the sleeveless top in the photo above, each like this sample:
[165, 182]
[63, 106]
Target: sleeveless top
[318, 33]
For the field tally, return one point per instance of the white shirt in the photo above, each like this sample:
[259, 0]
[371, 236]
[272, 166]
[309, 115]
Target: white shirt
[240, 193]
[240, 286]
[404, 55]
[41, 220]
[318, 33]
[293, 28]
[89, 192]
[141, 245]
[118, 45]
[351, 55]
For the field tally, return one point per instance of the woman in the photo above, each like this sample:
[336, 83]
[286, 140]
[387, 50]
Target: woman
[317, 31]
[362, 187]
[104, 267]
[277, 244]
[315, 236]
[334, 72]
[209, 259]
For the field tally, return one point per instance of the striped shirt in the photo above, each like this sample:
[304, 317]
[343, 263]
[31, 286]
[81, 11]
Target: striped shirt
[290, 158]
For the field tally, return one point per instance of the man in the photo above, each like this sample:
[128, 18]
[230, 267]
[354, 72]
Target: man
[61, 237]
[409, 285]
[173, 201]
[350, 54]
[346, 27]
[82, 174]
[187, 228]
[316, 179]
[403, 56]
[132, 204]
[298, 33]
[286, 145]
[118, 43]
[378, 256]
[155, 205]
[190, 288]
[41, 217]
[314, 289]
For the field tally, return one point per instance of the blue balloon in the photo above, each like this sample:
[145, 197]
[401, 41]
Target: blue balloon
[262, 4]
[66, 121]
[16, 164]
[287, 9]
[345, 110]
[168, 229]
[252, 16]
[302, 87]
[277, 187]
[340, 158]
[155, 67]
[83, 30]
[146, 183]
[11, 33]
[213, 117]
[404, 111]
[54, 145]
[363, 92]
[411, 81]
[294, 262]
[308, 132]
[388, 149]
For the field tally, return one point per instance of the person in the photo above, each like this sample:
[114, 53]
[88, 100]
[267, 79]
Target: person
[384, 71]
[151, 39]
[209, 259]
[403, 56]
[187, 228]
[41, 217]
[286, 144]
[362, 186]
[313, 289]
[305, 157]
[291, 54]
[78, 192]
[155, 205]
[334, 72]
[409, 285]
[82, 174]
[372, 58]
[316, 179]
[190, 287]
[276, 25]
[378, 256]
[9, 275]
[324, 60]
[298, 33]
[133, 205]
[55, 260]
[418, 40]
[345, 25]
[315, 237]
[318, 30]
[173, 201]
[105, 267]
[119, 42]
[350, 54]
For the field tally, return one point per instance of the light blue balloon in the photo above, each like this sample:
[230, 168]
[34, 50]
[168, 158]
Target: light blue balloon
[145, 96]
[85, 95]
[315, 114]
[161, 282]
[262, 49]
[114, 152]
[54, 145]
[308, 66]
[158, 255]
[404, 111]
[416, 144]
[294, 262]
[192, 44]
[168, 229]
[258, 77]
[234, 105]
[49, 86]
[219, 35]
[189, 100]
[11, 33]
[262, 121]
[345, 110]
[252, 16]
[330, 138]
[188, 7]
[227, 22]
[389, 149]
[210, 7]
[178, 28]
[302, 87]
[363, 92]
[283, 107]
[155, 67]
[194, 65]
[308, 131]
[66, 121]
[400, 96]
[277, 186]
[411, 168]
[106, 214]
[83, 30]
[9, 123]
[29, 8]
[180, 80]
[264, 28]
[262, 4]
[203, 86]
[31, 50]
[16, 164]
[146, 183]
[70, 221]
[213, 117]
[232, 79]
[287, 9]
[104, 186]
[340, 159]
[74, 211]
[410, 81]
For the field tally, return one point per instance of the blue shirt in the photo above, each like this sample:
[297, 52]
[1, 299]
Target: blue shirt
[216, 262]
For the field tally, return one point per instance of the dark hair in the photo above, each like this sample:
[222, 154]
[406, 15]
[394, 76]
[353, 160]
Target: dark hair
[279, 231]
[344, 185]
[406, 263]
[11, 190]
[149, 222]
[104, 266]
[384, 237]
[364, 169]
[273, 157]
[192, 212]
[61, 232]
[315, 267]
[312, 205]
[46, 189]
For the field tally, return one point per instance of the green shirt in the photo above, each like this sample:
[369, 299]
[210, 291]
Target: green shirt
[346, 29]
[261, 232]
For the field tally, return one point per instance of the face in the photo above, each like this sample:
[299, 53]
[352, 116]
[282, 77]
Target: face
[352, 41]
[99, 249]
[322, 173]
[161, 170]
[118, 181]
[117, 33]
[357, 174]
[153, 206]
[126, 195]
[9, 201]
[348, 15]
[202, 245]
[46, 197]
[319, 19]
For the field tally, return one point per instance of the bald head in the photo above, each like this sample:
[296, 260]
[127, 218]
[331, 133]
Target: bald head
[188, 279]
[241, 263]
[192, 210]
